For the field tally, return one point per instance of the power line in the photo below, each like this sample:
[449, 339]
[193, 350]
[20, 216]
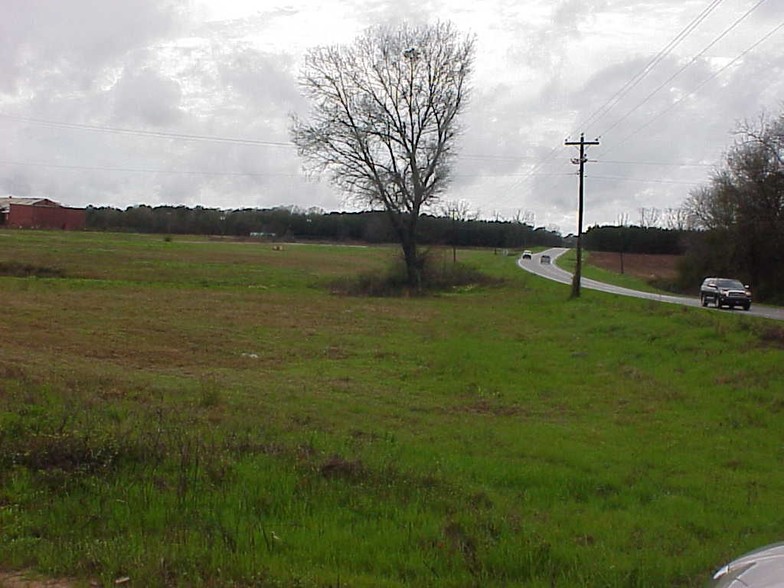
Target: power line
[522, 175]
[655, 163]
[144, 133]
[628, 86]
[534, 172]
[611, 102]
[495, 157]
[211, 138]
[209, 173]
[644, 181]
[691, 61]
[141, 170]
[697, 88]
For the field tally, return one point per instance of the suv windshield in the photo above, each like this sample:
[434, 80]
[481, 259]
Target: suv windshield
[735, 284]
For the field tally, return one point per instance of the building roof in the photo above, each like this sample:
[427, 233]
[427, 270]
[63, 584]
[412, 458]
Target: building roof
[7, 201]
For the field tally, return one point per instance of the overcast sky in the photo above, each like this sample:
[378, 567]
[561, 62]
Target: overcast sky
[122, 102]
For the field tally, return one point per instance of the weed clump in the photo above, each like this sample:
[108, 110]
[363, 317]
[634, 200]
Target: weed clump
[17, 269]
[772, 336]
[339, 467]
[65, 451]
[436, 277]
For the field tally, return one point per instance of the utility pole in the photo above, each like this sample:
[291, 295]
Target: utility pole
[578, 270]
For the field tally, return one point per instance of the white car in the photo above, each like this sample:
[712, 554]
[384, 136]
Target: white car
[527, 254]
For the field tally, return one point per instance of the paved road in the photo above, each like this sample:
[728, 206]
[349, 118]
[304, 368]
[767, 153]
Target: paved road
[553, 272]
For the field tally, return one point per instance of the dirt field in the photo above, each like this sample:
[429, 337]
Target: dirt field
[647, 267]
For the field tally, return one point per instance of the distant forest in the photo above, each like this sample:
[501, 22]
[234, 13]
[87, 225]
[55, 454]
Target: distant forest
[292, 223]
[634, 239]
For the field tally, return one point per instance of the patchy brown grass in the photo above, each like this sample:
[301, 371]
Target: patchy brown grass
[338, 467]
[647, 267]
[28, 580]
[26, 270]
[772, 336]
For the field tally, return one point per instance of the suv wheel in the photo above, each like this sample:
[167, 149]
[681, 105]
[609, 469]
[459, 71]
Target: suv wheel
[747, 306]
[703, 300]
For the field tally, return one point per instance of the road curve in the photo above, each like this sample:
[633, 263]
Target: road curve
[553, 272]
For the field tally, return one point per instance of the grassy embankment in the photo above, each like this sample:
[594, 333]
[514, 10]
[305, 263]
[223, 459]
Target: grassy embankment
[194, 412]
[568, 261]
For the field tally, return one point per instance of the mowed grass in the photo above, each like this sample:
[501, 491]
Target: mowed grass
[202, 412]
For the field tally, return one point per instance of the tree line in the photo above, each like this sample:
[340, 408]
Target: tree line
[740, 213]
[293, 223]
[636, 239]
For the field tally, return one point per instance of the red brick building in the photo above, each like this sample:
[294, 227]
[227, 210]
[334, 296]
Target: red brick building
[39, 213]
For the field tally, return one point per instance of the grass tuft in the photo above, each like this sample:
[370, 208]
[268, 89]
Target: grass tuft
[338, 467]
[18, 269]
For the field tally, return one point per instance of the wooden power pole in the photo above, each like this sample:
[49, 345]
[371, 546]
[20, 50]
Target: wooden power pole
[578, 270]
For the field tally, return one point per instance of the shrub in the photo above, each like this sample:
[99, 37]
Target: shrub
[437, 276]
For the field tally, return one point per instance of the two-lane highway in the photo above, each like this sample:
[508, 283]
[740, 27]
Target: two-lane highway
[553, 272]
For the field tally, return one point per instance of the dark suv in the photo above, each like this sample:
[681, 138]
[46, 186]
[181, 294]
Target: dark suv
[725, 292]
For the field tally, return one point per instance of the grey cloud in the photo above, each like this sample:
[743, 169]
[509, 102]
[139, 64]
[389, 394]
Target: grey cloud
[545, 48]
[768, 11]
[687, 133]
[261, 78]
[78, 37]
[571, 16]
[403, 11]
[132, 64]
[15, 181]
[147, 98]
[491, 130]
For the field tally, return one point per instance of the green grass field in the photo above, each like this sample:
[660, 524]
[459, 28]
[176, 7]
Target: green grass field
[202, 412]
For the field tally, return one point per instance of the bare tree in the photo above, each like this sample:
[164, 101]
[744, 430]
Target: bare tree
[675, 219]
[458, 212]
[649, 217]
[522, 228]
[524, 217]
[383, 122]
[623, 227]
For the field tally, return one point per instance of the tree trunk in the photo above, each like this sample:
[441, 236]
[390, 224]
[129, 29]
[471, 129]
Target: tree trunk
[413, 264]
